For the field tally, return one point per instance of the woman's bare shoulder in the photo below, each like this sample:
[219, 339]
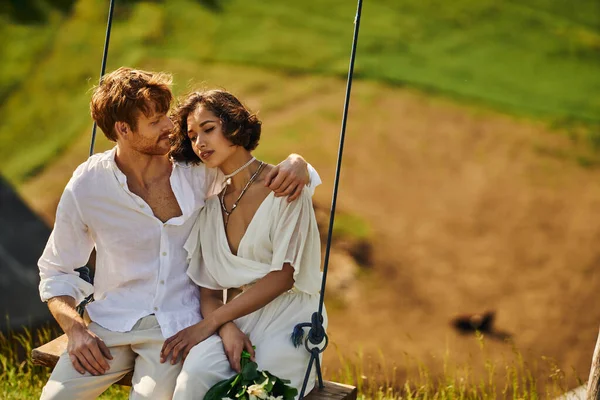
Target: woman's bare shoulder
[264, 173]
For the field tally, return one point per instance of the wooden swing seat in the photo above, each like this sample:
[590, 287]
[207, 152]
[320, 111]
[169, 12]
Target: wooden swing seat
[47, 355]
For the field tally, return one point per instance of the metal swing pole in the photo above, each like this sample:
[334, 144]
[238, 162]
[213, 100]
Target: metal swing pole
[84, 272]
[317, 334]
[103, 68]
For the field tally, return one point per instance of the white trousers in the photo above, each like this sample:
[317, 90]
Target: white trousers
[138, 350]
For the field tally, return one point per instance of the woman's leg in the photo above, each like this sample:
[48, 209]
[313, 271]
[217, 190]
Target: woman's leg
[279, 356]
[205, 365]
[275, 351]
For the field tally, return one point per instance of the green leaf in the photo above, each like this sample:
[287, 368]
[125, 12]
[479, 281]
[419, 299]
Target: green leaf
[241, 392]
[269, 386]
[280, 387]
[272, 380]
[245, 358]
[250, 371]
[221, 389]
[246, 355]
[289, 393]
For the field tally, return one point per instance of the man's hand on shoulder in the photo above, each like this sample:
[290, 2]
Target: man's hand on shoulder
[234, 342]
[289, 177]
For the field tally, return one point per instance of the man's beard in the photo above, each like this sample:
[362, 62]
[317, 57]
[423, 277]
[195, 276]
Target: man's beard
[160, 148]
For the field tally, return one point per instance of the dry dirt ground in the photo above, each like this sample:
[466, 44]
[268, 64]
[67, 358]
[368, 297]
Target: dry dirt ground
[470, 210]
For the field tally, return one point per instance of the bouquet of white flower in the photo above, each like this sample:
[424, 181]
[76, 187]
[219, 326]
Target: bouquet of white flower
[252, 384]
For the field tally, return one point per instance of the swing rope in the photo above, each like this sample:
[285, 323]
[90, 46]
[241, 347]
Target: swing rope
[103, 68]
[317, 334]
[84, 272]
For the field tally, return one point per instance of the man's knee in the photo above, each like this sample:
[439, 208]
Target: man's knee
[158, 386]
[57, 391]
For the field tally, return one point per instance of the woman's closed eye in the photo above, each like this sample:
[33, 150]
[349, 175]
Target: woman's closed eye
[209, 130]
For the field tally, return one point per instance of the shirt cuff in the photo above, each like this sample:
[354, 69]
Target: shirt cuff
[314, 179]
[65, 285]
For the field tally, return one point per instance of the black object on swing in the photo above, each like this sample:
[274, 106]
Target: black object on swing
[316, 335]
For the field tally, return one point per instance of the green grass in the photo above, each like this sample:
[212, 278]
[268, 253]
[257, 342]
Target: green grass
[20, 379]
[374, 378]
[351, 226]
[535, 58]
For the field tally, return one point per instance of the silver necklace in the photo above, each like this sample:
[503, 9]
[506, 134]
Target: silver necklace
[235, 204]
[227, 179]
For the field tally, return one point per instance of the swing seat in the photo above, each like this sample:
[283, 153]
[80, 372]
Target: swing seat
[47, 355]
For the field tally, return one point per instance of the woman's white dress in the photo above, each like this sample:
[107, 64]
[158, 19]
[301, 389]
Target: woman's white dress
[280, 232]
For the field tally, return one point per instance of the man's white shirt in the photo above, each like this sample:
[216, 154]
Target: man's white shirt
[140, 261]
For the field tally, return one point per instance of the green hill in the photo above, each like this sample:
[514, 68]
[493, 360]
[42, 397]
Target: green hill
[535, 58]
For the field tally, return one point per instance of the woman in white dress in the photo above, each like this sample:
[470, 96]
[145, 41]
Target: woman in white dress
[247, 238]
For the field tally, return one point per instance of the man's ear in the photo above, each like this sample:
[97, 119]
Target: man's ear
[122, 128]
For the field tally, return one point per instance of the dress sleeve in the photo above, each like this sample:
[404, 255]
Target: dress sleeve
[314, 179]
[68, 247]
[296, 241]
[197, 271]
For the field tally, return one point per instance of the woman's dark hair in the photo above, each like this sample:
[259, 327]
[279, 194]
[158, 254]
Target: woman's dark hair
[240, 126]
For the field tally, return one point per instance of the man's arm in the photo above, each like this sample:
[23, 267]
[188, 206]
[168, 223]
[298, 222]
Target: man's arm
[290, 176]
[69, 247]
[286, 179]
[86, 350]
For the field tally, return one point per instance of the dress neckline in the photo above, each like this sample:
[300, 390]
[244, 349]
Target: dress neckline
[223, 232]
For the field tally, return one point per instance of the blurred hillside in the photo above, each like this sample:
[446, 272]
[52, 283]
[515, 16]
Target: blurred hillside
[471, 159]
[534, 57]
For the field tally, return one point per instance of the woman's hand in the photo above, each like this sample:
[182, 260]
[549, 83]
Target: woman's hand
[234, 342]
[182, 342]
[289, 177]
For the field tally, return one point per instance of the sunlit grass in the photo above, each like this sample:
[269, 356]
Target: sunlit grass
[513, 379]
[377, 379]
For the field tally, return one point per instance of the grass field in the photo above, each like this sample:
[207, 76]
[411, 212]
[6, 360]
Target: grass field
[375, 379]
[534, 58]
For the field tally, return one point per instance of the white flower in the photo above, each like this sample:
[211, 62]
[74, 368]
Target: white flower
[258, 391]
[226, 398]
[275, 398]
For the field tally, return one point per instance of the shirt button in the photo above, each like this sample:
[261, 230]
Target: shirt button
[162, 281]
[164, 253]
[155, 308]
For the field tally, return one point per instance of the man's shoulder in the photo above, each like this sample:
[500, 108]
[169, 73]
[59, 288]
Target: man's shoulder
[89, 170]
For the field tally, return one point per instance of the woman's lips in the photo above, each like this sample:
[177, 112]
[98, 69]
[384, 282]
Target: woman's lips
[205, 154]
